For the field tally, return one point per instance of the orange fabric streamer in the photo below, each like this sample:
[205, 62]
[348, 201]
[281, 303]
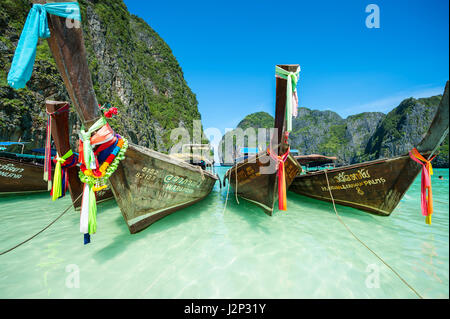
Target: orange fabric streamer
[427, 171]
[282, 201]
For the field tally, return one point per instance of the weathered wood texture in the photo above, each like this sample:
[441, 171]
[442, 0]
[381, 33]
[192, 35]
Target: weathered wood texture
[371, 186]
[17, 176]
[149, 185]
[376, 186]
[257, 179]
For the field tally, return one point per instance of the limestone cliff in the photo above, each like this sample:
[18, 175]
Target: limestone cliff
[132, 68]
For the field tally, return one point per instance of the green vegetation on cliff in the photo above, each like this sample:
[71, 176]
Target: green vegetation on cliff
[131, 66]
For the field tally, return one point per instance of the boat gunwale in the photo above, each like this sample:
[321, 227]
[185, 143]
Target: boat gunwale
[172, 160]
[352, 166]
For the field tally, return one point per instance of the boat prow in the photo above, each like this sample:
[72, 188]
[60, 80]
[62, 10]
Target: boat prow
[376, 186]
[255, 178]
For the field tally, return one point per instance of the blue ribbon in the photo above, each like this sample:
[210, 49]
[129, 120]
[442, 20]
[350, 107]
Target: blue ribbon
[36, 26]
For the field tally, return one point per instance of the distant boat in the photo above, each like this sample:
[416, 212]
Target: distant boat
[147, 185]
[252, 182]
[20, 173]
[245, 152]
[375, 186]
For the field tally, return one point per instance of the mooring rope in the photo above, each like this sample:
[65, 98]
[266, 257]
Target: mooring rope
[23, 242]
[362, 243]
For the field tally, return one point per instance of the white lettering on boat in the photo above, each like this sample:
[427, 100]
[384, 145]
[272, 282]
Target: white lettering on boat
[10, 171]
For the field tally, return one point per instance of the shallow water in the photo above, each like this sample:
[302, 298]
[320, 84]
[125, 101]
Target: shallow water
[201, 252]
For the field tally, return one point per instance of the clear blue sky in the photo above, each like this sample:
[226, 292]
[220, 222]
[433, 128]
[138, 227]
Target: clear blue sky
[228, 51]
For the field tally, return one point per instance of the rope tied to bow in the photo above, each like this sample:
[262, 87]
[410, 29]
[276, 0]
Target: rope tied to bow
[426, 202]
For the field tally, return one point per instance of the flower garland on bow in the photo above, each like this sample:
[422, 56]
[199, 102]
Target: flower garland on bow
[96, 166]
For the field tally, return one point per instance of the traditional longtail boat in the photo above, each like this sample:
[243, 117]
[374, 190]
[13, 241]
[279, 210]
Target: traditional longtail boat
[21, 173]
[376, 186]
[264, 178]
[146, 184]
[58, 112]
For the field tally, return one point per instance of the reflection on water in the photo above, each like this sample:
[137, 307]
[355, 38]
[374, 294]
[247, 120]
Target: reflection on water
[201, 252]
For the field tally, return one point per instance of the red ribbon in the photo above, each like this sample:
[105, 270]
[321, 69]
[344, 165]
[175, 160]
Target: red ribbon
[282, 201]
[48, 144]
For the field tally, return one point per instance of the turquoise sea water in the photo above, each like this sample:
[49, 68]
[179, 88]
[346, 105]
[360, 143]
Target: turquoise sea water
[200, 252]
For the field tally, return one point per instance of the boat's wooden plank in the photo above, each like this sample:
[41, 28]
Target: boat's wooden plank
[21, 177]
[148, 187]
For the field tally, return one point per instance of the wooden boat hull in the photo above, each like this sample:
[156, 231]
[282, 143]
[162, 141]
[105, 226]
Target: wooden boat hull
[375, 187]
[256, 179]
[255, 184]
[149, 185]
[142, 200]
[20, 177]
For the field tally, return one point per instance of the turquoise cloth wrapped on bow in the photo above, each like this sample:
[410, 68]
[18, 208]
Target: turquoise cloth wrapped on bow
[36, 26]
[291, 93]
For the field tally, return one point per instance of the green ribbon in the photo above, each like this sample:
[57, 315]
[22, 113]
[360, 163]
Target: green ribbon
[85, 136]
[91, 181]
[92, 220]
[291, 87]
[57, 184]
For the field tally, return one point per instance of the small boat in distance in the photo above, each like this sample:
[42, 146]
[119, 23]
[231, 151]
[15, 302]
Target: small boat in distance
[20, 173]
[375, 186]
[255, 177]
[146, 184]
[315, 160]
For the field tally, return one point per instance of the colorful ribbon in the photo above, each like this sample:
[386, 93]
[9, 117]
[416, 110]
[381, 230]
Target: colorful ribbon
[60, 174]
[47, 156]
[110, 149]
[85, 137]
[282, 201]
[36, 26]
[427, 170]
[291, 93]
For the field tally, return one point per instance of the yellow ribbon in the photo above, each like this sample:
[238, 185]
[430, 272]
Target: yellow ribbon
[57, 179]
